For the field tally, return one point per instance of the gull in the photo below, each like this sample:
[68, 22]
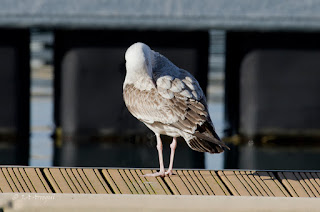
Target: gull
[169, 101]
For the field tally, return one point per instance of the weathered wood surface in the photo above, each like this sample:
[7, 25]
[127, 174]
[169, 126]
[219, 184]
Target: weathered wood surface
[183, 182]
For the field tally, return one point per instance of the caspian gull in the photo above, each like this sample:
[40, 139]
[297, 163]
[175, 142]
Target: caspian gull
[169, 101]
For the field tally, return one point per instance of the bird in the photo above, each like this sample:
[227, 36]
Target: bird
[169, 101]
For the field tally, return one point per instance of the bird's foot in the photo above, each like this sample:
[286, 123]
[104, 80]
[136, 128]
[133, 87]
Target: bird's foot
[168, 172]
[159, 174]
[156, 174]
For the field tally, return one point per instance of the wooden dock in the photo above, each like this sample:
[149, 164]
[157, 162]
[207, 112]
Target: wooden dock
[183, 182]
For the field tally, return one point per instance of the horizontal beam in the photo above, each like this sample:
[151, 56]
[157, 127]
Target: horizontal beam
[133, 203]
[167, 14]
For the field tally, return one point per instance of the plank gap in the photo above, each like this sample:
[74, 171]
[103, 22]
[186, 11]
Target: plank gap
[226, 183]
[45, 182]
[54, 180]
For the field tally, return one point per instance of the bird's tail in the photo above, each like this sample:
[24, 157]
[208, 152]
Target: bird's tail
[206, 140]
[202, 145]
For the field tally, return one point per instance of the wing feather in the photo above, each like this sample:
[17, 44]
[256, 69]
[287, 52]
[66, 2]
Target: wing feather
[180, 109]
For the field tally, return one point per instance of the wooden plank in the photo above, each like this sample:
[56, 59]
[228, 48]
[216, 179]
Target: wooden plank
[251, 183]
[213, 181]
[93, 180]
[86, 181]
[52, 181]
[269, 179]
[110, 181]
[103, 182]
[257, 182]
[19, 179]
[163, 184]
[262, 183]
[75, 181]
[292, 184]
[280, 186]
[203, 181]
[127, 181]
[133, 181]
[40, 189]
[118, 181]
[185, 182]
[150, 183]
[177, 185]
[195, 176]
[80, 181]
[38, 181]
[156, 184]
[316, 176]
[10, 180]
[220, 183]
[93, 177]
[288, 186]
[4, 184]
[60, 180]
[191, 182]
[306, 177]
[296, 185]
[69, 181]
[173, 182]
[26, 180]
[140, 183]
[247, 184]
[304, 184]
[14, 179]
[315, 185]
[233, 183]
[171, 189]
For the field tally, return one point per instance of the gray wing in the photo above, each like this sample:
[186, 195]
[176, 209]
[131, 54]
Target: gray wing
[182, 90]
[152, 106]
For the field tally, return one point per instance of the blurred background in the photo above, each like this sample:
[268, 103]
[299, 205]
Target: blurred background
[62, 69]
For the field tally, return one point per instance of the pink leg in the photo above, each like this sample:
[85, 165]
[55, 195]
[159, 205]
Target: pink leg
[161, 173]
[173, 147]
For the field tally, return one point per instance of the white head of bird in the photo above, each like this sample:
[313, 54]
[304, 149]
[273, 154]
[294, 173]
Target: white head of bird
[139, 59]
